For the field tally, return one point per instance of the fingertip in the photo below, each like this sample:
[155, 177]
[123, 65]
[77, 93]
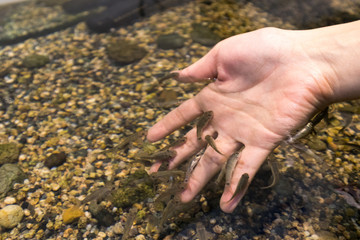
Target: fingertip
[186, 195]
[151, 135]
[227, 204]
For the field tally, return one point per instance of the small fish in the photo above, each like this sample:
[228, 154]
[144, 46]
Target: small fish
[348, 198]
[129, 222]
[161, 155]
[211, 141]
[164, 175]
[309, 127]
[193, 163]
[176, 143]
[126, 142]
[275, 173]
[170, 210]
[174, 75]
[152, 223]
[169, 194]
[203, 122]
[230, 166]
[221, 175]
[98, 194]
[242, 184]
[202, 233]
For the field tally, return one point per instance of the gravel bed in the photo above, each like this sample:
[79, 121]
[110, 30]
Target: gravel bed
[81, 105]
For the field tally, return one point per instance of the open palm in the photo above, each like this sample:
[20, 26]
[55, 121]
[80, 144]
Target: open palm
[264, 88]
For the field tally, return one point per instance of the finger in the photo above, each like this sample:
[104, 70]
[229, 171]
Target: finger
[205, 68]
[185, 151]
[209, 164]
[249, 162]
[183, 114]
[155, 167]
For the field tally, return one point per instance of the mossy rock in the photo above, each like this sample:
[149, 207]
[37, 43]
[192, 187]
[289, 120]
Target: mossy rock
[135, 188]
[124, 52]
[10, 174]
[204, 35]
[9, 153]
[170, 41]
[35, 61]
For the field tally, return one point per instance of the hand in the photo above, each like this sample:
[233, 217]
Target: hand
[266, 86]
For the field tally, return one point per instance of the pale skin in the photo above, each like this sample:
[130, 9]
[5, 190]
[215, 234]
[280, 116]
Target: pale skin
[269, 83]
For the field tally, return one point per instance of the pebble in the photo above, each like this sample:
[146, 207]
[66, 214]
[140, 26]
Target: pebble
[9, 174]
[55, 160]
[72, 214]
[10, 216]
[140, 237]
[9, 153]
[170, 41]
[217, 229]
[118, 228]
[9, 200]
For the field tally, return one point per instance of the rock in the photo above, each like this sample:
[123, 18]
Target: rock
[55, 160]
[9, 153]
[35, 61]
[317, 144]
[118, 14]
[72, 214]
[134, 189]
[10, 216]
[102, 215]
[9, 174]
[203, 35]
[326, 235]
[170, 41]
[124, 52]
[77, 6]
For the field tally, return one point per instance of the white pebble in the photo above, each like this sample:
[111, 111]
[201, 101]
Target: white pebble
[9, 200]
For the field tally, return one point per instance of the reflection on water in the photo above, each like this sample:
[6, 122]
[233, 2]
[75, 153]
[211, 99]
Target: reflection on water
[70, 90]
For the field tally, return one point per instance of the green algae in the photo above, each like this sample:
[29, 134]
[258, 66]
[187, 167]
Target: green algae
[135, 188]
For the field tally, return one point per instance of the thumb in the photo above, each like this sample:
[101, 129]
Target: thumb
[205, 68]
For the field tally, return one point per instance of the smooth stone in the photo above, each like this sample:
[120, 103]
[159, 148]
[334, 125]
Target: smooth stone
[102, 215]
[55, 160]
[35, 61]
[125, 52]
[203, 35]
[9, 174]
[170, 41]
[72, 214]
[10, 216]
[9, 153]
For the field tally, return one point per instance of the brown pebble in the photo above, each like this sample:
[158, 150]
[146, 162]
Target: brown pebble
[55, 160]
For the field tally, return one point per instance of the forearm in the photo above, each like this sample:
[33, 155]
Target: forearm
[336, 49]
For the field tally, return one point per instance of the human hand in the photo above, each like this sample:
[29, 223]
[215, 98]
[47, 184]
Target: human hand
[266, 86]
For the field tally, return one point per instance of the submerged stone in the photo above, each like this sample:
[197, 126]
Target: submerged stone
[203, 35]
[137, 187]
[55, 160]
[124, 52]
[170, 41]
[72, 214]
[35, 61]
[9, 153]
[101, 214]
[10, 216]
[9, 174]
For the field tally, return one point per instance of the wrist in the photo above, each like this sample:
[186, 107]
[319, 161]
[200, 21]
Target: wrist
[336, 52]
